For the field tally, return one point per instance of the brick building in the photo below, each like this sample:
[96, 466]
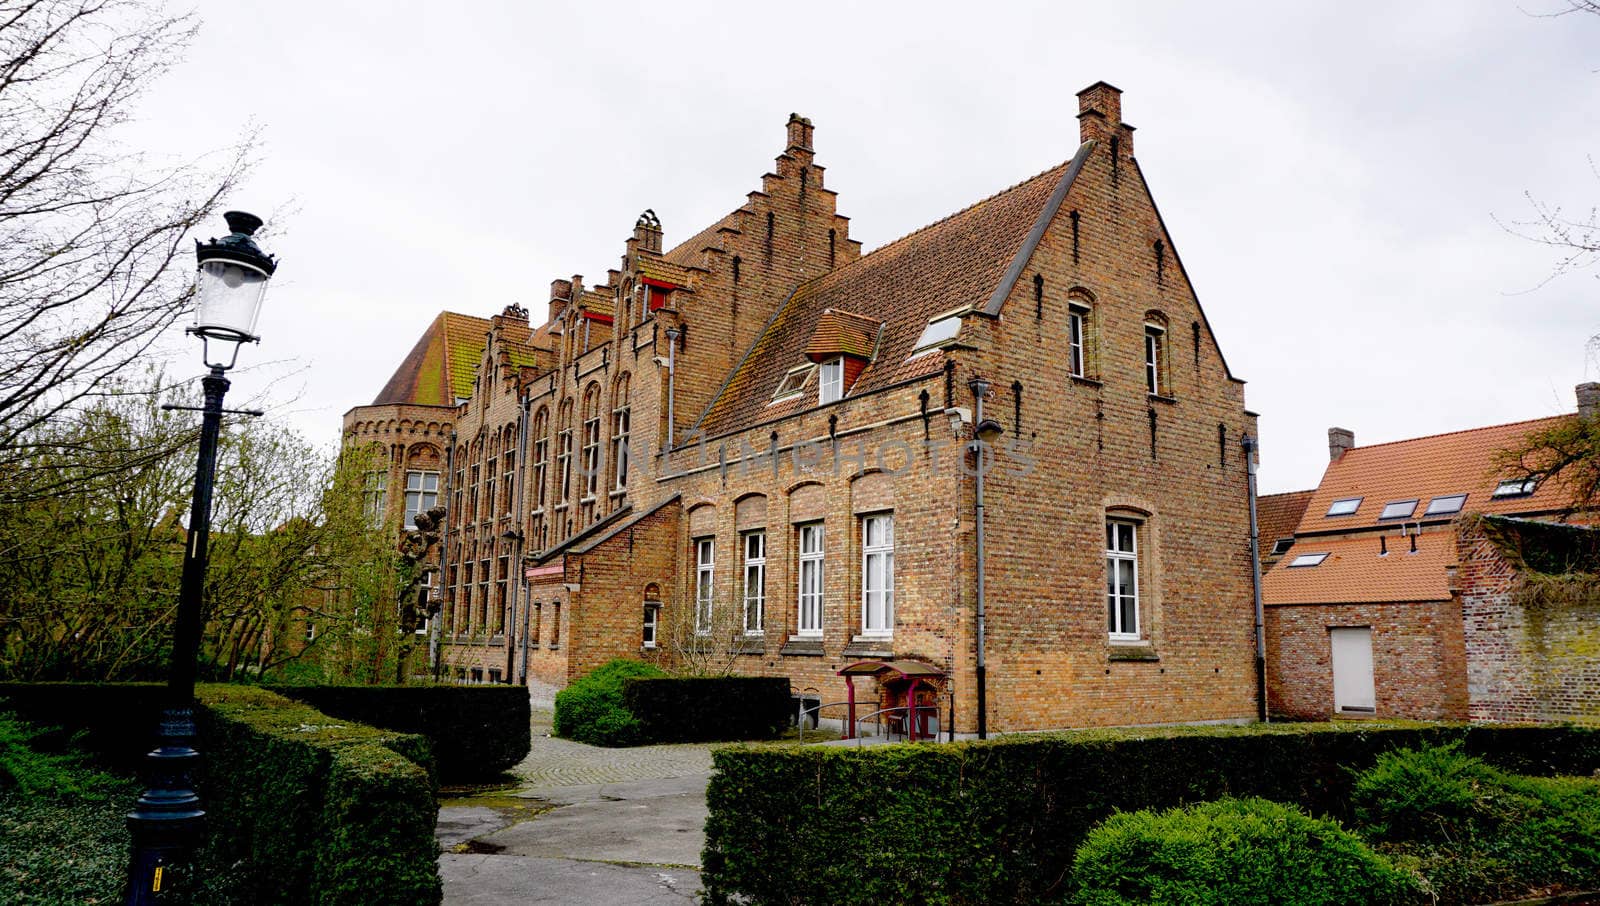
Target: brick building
[754, 446]
[1393, 598]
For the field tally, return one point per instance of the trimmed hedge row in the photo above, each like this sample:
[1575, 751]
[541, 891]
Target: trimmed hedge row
[117, 720]
[304, 809]
[1000, 821]
[704, 709]
[476, 731]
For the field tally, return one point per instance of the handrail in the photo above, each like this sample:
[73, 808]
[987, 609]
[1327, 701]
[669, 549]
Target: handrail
[800, 724]
[879, 723]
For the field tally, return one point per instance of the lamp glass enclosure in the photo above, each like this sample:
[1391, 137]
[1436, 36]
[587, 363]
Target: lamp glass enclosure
[230, 299]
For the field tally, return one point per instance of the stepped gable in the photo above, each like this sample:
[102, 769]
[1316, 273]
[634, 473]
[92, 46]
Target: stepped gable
[951, 263]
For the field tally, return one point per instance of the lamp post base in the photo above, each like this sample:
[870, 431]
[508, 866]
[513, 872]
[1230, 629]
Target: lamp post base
[166, 821]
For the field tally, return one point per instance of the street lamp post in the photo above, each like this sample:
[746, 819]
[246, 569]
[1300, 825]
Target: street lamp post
[167, 819]
[985, 431]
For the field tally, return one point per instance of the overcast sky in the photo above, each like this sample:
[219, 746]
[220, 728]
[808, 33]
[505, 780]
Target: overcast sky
[1330, 172]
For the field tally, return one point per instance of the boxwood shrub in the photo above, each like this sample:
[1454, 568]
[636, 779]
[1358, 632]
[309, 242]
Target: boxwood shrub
[591, 710]
[476, 731]
[999, 821]
[305, 808]
[703, 709]
[1232, 852]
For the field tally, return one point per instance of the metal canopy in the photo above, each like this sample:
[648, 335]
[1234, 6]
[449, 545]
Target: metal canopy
[907, 669]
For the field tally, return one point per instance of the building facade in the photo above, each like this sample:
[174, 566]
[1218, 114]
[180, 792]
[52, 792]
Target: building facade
[756, 450]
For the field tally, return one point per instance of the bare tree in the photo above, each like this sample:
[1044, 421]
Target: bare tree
[93, 268]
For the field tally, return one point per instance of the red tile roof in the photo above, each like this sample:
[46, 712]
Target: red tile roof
[440, 368]
[843, 333]
[957, 261]
[1461, 462]
[1356, 573]
[1278, 514]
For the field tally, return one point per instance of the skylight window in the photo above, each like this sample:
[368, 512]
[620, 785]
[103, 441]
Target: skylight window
[1281, 546]
[1345, 506]
[1516, 487]
[1441, 506]
[939, 330]
[1398, 509]
[1305, 560]
[793, 382]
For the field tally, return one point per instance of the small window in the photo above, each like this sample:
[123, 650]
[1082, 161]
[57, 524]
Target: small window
[830, 384]
[1281, 546]
[1307, 560]
[793, 382]
[1345, 507]
[939, 330]
[652, 620]
[1516, 487]
[1154, 354]
[1440, 506]
[1075, 359]
[1398, 509]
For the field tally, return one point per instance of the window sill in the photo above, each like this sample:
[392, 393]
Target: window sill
[804, 647]
[882, 648]
[618, 493]
[751, 645]
[1132, 651]
[554, 646]
[1087, 381]
[1161, 398]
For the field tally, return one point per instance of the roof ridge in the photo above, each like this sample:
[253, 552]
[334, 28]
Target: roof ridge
[1407, 440]
[951, 216]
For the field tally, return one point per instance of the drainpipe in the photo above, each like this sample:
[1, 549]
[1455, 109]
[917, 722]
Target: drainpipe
[519, 591]
[1249, 445]
[436, 625]
[980, 427]
[672, 369]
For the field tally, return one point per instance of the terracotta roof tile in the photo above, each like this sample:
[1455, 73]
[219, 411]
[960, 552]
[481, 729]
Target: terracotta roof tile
[956, 261]
[1354, 572]
[441, 367]
[1278, 514]
[843, 333]
[1461, 462]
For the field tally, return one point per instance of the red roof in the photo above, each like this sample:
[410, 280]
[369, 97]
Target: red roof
[440, 368]
[1355, 572]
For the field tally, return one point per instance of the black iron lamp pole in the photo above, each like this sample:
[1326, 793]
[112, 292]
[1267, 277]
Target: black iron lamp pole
[167, 820]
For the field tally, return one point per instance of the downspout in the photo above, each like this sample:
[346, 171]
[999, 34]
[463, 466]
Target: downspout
[1249, 445]
[522, 574]
[981, 669]
[518, 593]
[436, 629]
[672, 369]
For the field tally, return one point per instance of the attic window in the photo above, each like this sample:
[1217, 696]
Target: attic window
[1398, 509]
[830, 384]
[1345, 507]
[1281, 546]
[1516, 487]
[939, 330]
[1440, 506]
[1305, 560]
[793, 382]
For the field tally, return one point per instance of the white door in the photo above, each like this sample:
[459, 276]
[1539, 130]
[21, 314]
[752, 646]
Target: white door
[1352, 670]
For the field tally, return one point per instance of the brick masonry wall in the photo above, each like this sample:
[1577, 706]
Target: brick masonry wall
[1523, 663]
[1417, 659]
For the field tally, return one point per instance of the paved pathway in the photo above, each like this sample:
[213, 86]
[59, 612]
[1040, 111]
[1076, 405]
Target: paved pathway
[584, 825]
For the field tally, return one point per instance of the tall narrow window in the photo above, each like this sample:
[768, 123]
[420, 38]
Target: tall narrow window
[591, 443]
[502, 583]
[877, 575]
[541, 465]
[484, 625]
[704, 573]
[563, 461]
[555, 624]
[755, 582]
[508, 483]
[422, 494]
[1122, 580]
[472, 495]
[810, 573]
[652, 621]
[1075, 318]
[488, 490]
[620, 418]
[376, 490]
[1154, 341]
[830, 385]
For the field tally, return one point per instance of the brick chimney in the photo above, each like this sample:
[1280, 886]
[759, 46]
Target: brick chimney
[1099, 112]
[799, 133]
[1340, 441]
[1588, 400]
[560, 295]
[647, 231]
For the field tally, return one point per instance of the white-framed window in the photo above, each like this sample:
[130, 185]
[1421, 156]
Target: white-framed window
[1154, 339]
[1122, 580]
[1075, 320]
[830, 383]
[591, 456]
[1281, 546]
[1307, 560]
[1516, 487]
[652, 621]
[425, 591]
[793, 382]
[705, 554]
[810, 579]
[1344, 507]
[877, 575]
[620, 418]
[1399, 509]
[1442, 506]
[374, 494]
[422, 494]
[755, 582]
[940, 329]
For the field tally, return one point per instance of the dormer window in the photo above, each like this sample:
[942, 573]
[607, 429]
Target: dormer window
[1516, 487]
[793, 382]
[830, 383]
[940, 330]
[1399, 509]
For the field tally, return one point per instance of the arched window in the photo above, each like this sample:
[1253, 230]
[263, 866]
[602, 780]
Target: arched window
[563, 465]
[621, 455]
[591, 449]
[538, 494]
[508, 472]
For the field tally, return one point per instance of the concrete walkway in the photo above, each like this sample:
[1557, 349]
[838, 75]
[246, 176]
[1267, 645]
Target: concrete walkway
[584, 825]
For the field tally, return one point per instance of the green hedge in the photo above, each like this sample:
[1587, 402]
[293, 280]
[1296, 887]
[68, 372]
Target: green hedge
[115, 722]
[590, 709]
[703, 709]
[999, 821]
[477, 732]
[304, 808]
[1233, 852]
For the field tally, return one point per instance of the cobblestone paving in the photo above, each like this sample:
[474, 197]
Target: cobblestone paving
[555, 763]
